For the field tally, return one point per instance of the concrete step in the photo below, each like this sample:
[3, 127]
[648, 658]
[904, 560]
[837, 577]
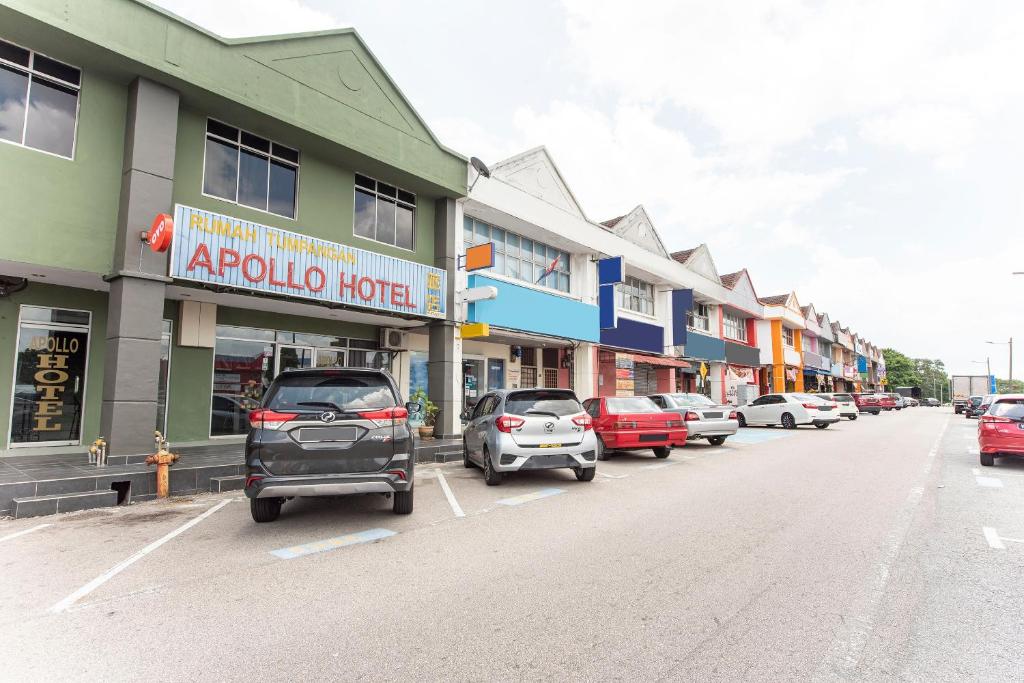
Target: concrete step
[36, 506]
[222, 484]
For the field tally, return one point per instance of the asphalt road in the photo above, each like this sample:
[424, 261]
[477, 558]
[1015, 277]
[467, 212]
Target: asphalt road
[859, 552]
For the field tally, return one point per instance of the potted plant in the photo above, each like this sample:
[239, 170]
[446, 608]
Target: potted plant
[429, 412]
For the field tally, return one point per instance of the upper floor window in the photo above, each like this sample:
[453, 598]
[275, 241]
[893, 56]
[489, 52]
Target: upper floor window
[787, 337]
[636, 295]
[521, 258]
[734, 327]
[824, 349]
[249, 170]
[38, 100]
[384, 213]
[699, 317]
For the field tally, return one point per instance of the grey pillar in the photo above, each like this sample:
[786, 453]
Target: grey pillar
[444, 361]
[135, 308]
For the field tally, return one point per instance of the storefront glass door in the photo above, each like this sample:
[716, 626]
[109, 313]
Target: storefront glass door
[472, 381]
[293, 358]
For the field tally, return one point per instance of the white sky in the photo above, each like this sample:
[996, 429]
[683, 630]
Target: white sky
[864, 154]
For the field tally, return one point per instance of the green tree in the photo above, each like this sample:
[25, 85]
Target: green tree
[900, 370]
[934, 378]
[1005, 386]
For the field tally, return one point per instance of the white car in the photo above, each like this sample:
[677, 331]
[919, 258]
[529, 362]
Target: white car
[789, 410]
[847, 406]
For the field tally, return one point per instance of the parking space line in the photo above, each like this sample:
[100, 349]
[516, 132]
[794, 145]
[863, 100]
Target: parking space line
[974, 470]
[23, 532]
[456, 508]
[303, 549]
[993, 538]
[529, 497]
[121, 566]
[612, 476]
[989, 482]
[659, 465]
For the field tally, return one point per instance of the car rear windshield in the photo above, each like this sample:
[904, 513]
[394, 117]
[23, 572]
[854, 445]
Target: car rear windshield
[560, 403]
[638, 404]
[693, 400]
[842, 397]
[1012, 408]
[333, 392]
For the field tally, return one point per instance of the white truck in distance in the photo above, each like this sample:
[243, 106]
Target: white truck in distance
[965, 386]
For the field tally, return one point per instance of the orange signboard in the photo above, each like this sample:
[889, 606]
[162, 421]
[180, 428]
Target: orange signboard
[160, 234]
[479, 257]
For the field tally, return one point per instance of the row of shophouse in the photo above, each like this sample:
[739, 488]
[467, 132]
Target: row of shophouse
[185, 216]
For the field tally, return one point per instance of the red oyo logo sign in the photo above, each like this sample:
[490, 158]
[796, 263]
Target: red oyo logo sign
[160, 234]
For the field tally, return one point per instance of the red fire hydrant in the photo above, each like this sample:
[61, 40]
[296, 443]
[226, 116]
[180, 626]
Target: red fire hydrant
[162, 459]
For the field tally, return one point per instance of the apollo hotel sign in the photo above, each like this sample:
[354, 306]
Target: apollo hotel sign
[231, 252]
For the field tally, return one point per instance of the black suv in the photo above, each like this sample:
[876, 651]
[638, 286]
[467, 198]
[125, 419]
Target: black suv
[329, 432]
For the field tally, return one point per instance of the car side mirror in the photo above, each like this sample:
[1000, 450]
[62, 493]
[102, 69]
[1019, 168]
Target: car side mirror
[414, 407]
[464, 416]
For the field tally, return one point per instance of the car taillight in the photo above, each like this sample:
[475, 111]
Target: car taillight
[809, 406]
[386, 417]
[733, 416]
[269, 419]
[583, 421]
[398, 473]
[506, 423]
[624, 425]
[990, 421]
[253, 479]
[691, 416]
[675, 424]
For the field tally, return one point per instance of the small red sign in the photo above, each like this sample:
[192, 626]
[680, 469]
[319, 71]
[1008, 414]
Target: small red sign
[160, 234]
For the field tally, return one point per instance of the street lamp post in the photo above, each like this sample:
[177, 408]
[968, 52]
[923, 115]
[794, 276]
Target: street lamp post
[1010, 344]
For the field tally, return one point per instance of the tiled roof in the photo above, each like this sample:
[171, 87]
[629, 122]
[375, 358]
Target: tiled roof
[612, 222]
[684, 255]
[730, 279]
[778, 300]
[805, 310]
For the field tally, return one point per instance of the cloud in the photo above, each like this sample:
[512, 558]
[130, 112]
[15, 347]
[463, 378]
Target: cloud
[942, 132]
[242, 18]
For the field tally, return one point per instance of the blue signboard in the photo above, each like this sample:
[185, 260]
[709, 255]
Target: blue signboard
[682, 302]
[222, 250]
[610, 271]
[533, 310]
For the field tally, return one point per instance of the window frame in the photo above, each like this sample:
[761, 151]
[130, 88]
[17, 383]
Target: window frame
[31, 72]
[238, 165]
[637, 290]
[740, 325]
[501, 255]
[788, 338]
[692, 316]
[356, 187]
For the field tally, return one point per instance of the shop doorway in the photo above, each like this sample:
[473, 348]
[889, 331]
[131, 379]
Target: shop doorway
[472, 381]
[299, 357]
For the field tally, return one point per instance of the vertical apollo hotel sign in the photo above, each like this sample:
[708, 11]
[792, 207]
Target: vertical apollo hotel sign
[231, 252]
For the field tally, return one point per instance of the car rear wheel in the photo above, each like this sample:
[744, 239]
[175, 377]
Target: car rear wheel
[740, 420]
[403, 502]
[987, 459]
[585, 473]
[265, 509]
[788, 422]
[821, 425]
[876, 412]
[491, 476]
[716, 440]
[662, 451]
[602, 452]
[852, 417]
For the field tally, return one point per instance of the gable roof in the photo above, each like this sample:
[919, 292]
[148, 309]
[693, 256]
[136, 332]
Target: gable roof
[775, 300]
[730, 279]
[637, 227]
[535, 172]
[698, 260]
[683, 255]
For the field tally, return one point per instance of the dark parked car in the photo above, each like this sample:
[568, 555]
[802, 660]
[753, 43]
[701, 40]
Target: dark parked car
[329, 432]
[973, 404]
[930, 402]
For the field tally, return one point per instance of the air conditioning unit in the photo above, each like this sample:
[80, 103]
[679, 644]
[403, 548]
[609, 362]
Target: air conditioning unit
[392, 339]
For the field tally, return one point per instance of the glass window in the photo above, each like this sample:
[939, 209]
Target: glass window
[387, 214]
[787, 336]
[699, 317]
[38, 100]
[249, 170]
[495, 373]
[561, 403]
[162, 378]
[636, 295]
[734, 327]
[346, 391]
[49, 380]
[632, 404]
[242, 371]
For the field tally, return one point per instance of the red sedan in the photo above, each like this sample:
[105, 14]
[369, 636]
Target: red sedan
[634, 422]
[1001, 429]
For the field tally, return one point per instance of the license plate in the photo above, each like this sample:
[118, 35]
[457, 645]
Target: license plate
[550, 445]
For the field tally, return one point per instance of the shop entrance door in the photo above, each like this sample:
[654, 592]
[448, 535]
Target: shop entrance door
[472, 381]
[330, 358]
[293, 358]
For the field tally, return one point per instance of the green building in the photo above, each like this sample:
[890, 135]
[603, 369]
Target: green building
[311, 214]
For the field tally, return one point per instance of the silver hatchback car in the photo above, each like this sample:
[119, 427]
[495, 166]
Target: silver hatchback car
[529, 429]
[704, 418]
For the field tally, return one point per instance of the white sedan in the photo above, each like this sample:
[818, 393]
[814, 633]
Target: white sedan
[847, 406]
[789, 410]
